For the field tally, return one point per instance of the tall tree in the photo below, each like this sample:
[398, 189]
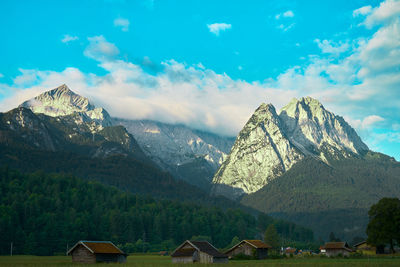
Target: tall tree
[384, 223]
[271, 237]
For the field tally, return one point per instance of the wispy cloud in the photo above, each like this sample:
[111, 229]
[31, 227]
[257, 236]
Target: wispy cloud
[286, 14]
[284, 27]
[330, 47]
[285, 20]
[122, 23]
[1, 75]
[69, 38]
[216, 28]
[362, 11]
[100, 49]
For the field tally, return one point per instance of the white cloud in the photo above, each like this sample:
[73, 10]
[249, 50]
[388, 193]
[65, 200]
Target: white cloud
[286, 14]
[100, 49]
[362, 11]
[69, 38]
[330, 47]
[370, 120]
[122, 23]
[284, 27]
[386, 12]
[216, 28]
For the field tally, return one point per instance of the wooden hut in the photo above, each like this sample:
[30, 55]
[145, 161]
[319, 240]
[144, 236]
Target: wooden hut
[336, 248]
[255, 248]
[197, 251]
[96, 251]
[365, 248]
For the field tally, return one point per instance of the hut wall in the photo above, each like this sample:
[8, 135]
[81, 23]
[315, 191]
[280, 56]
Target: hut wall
[182, 259]
[102, 257]
[205, 258]
[335, 252]
[83, 255]
[245, 249]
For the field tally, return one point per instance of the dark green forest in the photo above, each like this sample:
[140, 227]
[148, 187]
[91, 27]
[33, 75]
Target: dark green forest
[43, 213]
[333, 197]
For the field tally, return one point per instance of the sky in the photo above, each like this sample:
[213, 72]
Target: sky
[210, 64]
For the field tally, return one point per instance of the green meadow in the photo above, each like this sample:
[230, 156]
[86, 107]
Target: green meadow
[155, 260]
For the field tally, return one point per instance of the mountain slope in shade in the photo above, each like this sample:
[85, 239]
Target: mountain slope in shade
[61, 101]
[270, 144]
[188, 154]
[330, 198]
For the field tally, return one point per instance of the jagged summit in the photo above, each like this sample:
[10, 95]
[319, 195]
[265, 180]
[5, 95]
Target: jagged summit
[271, 143]
[311, 126]
[62, 101]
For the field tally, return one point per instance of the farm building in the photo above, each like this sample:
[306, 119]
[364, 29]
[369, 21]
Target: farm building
[365, 248]
[255, 248]
[197, 251]
[96, 251]
[336, 248]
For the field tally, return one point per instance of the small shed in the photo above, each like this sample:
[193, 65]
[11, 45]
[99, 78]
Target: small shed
[255, 248]
[197, 251]
[335, 248]
[365, 248]
[96, 251]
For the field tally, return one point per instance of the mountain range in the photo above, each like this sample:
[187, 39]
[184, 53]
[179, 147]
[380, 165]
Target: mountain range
[303, 163]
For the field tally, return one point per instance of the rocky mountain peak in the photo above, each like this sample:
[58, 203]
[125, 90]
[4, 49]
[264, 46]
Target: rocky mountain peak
[270, 144]
[309, 125]
[62, 101]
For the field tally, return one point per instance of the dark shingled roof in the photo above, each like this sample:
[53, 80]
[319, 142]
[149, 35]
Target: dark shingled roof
[206, 247]
[183, 252]
[257, 244]
[254, 243]
[202, 246]
[102, 247]
[337, 245]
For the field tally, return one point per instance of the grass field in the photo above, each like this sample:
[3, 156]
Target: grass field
[154, 260]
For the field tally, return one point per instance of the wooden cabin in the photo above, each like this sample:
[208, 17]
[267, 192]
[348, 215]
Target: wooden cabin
[255, 248]
[335, 248]
[96, 251]
[197, 251]
[365, 248]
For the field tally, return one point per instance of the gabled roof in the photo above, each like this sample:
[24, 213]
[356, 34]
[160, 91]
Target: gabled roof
[337, 245]
[361, 243]
[202, 246]
[101, 247]
[254, 243]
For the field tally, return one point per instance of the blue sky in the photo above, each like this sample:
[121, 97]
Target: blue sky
[209, 64]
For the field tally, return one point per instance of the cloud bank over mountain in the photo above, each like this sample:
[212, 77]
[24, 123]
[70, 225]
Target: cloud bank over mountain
[358, 78]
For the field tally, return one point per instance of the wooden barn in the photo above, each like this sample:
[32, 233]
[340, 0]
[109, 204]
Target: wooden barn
[255, 248]
[197, 251]
[336, 248]
[365, 248]
[96, 251]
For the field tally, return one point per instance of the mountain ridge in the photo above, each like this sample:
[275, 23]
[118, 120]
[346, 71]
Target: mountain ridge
[270, 144]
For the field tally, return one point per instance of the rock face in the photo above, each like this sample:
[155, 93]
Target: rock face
[189, 154]
[270, 144]
[61, 101]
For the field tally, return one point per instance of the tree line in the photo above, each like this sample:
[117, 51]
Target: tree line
[42, 214]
